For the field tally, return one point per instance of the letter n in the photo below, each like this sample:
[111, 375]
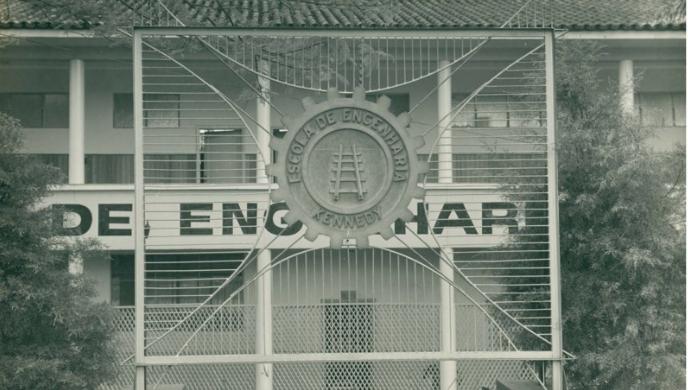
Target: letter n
[247, 224]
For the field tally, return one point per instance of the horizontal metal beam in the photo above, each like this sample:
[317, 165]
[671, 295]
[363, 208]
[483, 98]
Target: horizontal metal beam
[623, 35]
[335, 357]
[592, 35]
[344, 33]
[46, 33]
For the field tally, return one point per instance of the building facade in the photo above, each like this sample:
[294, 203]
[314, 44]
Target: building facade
[228, 271]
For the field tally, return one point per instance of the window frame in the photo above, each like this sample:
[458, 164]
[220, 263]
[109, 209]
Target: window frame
[115, 124]
[42, 109]
[666, 112]
[147, 121]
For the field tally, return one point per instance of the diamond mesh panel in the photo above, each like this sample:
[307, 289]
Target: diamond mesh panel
[231, 330]
[472, 374]
[203, 377]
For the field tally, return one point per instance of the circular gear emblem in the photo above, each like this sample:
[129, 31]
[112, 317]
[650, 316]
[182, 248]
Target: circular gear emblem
[347, 168]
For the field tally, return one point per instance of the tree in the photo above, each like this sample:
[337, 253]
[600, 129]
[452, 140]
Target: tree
[622, 237]
[52, 334]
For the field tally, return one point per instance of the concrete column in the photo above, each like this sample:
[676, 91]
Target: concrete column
[263, 283]
[77, 121]
[263, 119]
[264, 321]
[444, 106]
[626, 87]
[447, 309]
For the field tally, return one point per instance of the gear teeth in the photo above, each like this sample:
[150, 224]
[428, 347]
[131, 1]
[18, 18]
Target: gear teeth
[387, 233]
[406, 216]
[423, 167]
[279, 195]
[287, 121]
[336, 241]
[275, 143]
[359, 94]
[404, 119]
[311, 235]
[362, 241]
[384, 102]
[418, 142]
[307, 102]
[332, 94]
[290, 218]
[413, 138]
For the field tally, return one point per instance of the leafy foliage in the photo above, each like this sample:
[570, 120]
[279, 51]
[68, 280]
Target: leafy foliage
[622, 240]
[52, 334]
[622, 234]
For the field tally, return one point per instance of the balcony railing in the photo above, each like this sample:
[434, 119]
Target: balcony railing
[323, 328]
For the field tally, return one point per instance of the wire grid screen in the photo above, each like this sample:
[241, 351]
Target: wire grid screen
[376, 300]
[197, 146]
[497, 141]
[319, 63]
[198, 139]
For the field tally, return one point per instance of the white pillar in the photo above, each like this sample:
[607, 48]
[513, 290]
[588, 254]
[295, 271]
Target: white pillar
[444, 158]
[76, 122]
[444, 105]
[626, 87]
[264, 282]
[264, 321]
[263, 130]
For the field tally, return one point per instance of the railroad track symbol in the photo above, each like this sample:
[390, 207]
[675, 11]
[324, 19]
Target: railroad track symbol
[346, 173]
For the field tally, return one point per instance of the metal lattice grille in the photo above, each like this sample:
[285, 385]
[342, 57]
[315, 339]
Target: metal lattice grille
[483, 228]
[416, 375]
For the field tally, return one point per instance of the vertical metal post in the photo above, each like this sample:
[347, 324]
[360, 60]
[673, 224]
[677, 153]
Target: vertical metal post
[444, 158]
[139, 217]
[263, 119]
[77, 121]
[553, 216]
[264, 282]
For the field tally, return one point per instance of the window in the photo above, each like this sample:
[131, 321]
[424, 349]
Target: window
[496, 167]
[190, 278]
[59, 161]
[183, 286]
[123, 111]
[37, 110]
[400, 102]
[170, 168]
[109, 168]
[222, 158]
[122, 279]
[497, 111]
[662, 109]
[160, 110]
